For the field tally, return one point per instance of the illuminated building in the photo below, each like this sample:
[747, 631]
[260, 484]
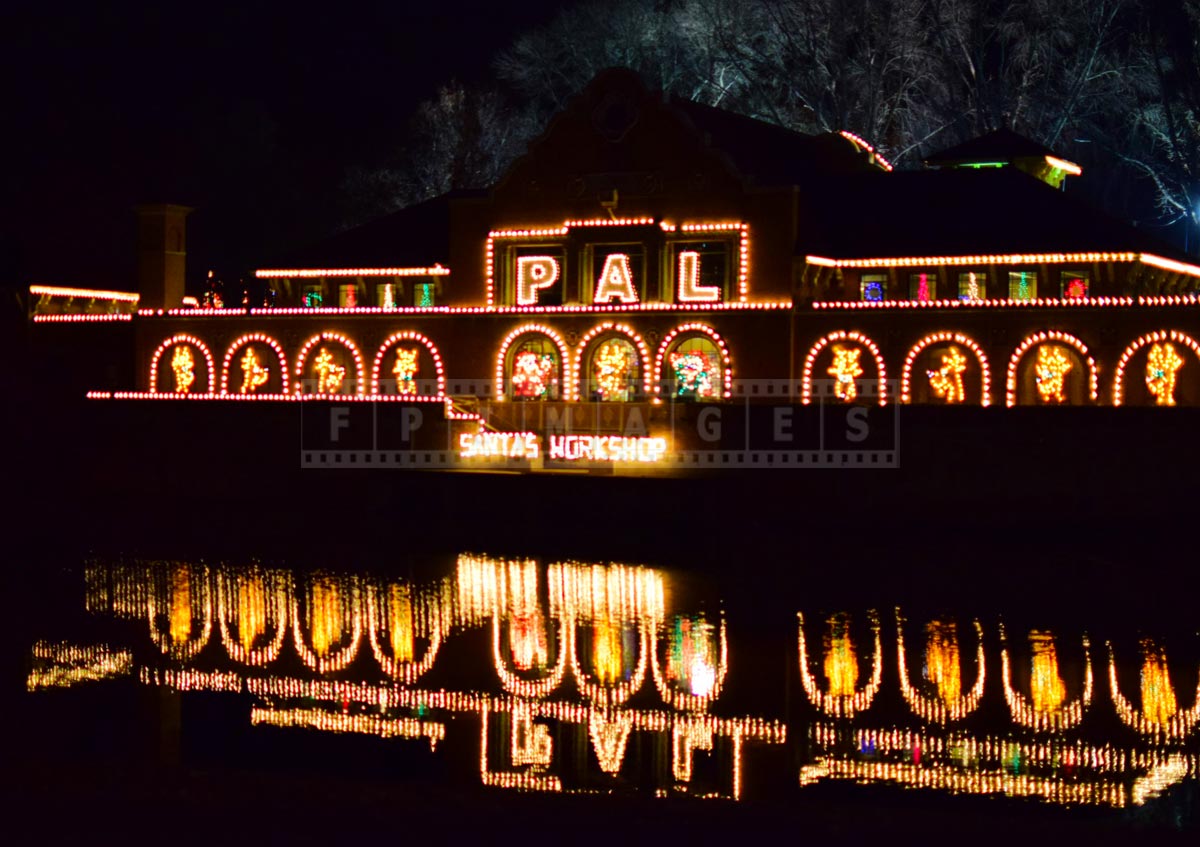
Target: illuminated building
[722, 254]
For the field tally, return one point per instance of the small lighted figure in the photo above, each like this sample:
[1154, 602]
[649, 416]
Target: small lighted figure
[1077, 289]
[1045, 683]
[406, 371]
[946, 381]
[1158, 694]
[845, 369]
[533, 375]
[973, 292]
[943, 665]
[1051, 369]
[329, 373]
[1162, 363]
[254, 375]
[389, 296]
[693, 374]
[610, 370]
[184, 365]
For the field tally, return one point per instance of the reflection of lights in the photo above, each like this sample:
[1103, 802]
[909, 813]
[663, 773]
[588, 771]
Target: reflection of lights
[184, 592]
[392, 608]
[359, 724]
[254, 601]
[842, 700]
[333, 604]
[1160, 716]
[952, 706]
[609, 733]
[1047, 710]
[63, 665]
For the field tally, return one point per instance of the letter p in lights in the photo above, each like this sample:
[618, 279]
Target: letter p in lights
[533, 274]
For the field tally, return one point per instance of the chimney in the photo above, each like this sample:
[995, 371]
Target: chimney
[162, 254]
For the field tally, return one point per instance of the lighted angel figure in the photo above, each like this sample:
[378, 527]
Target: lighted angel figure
[1162, 363]
[183, 364]
[405, 370]
[329, 373]
[254, 375]
[610, 370]
[946, 381]
[1051, 369]
[533, 374]
[693, 374]
[845, 369]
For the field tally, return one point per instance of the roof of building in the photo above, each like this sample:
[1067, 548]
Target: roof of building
[1000, 145]
[415, 236]
[959, 213]
[772, 155]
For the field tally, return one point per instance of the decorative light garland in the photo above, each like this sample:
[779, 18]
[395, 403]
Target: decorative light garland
[564, 366]
[181, 338]
[698, 328]
[359, 381]
[1160, 336]
[957, 338]
[252, 338]
[311, 273]
[409, 335]
[1038, 338]
[616, 328]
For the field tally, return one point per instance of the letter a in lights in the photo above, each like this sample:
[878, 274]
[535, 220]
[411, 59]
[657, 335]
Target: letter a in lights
[690, 289]
[533, 274]
[615, 281]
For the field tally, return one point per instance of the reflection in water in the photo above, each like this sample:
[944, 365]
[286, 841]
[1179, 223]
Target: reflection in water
[563, 703]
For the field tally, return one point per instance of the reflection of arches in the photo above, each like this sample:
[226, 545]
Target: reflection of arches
[181, 338]
[1039, 338]
[948, 337]
[842, 335]
[384, 613]
[1176, 727]
[179, 643]
[430, 347]
[693, 700]
[1023, 709]
[841, 705]
[301, 359]
[245, 340]
[610, 331]
[1149, 338]
[241, 597]
[503, 366]
[694, 329]
[329, 601]
[930, 708]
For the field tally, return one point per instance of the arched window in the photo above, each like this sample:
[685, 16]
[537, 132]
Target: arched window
[534, 370]
[693, 370]
[613, 371]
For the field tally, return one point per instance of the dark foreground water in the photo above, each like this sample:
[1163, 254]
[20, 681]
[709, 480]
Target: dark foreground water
[551, 699]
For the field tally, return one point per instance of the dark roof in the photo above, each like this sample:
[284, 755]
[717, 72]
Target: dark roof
[770, 154]
[958, 213]
[416, 236]
[1001, 145]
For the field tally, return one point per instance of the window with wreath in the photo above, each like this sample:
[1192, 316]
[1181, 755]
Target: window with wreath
[1074, 285]
[693, 370]
[873, 287]
[613, 371]
[534, 369]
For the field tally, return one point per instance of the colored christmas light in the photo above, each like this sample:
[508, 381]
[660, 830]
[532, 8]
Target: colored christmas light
[1077, 289]
[612, 367]
[330, 375]
[694, 372]
[405, 370]
[254, 375]
[533, 375]
[845, 369]
[1050, 370]
[183, 365]
[946, 381]
[1162, 363]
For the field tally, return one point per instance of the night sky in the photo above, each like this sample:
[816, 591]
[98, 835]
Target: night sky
[252, 114]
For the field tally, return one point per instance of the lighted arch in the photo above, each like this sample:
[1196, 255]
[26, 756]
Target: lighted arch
[957, 338]
[842, 335]
[1150, 337]
[619, 329]
[409, 335]
[250, 338]
[359, 381]
[180, 338]
[703, 329]
[535, 329]
[1036, 339]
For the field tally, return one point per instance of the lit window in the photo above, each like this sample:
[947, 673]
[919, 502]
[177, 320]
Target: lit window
[314, 296]
[874, 288]
[972, 286]
[693, 370]
[1022, 285]
[1075, 285]
[424, 294]
[534, 369]
[385, 295]
[711, 270]
[922, 287]
[613, 371]
[348, 296]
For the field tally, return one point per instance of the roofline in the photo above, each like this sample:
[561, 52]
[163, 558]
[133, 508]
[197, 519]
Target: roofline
[1151, 259]
[311, 273]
